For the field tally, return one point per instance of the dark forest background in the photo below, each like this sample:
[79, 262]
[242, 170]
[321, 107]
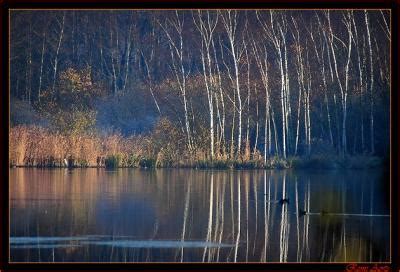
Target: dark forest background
[171, 87]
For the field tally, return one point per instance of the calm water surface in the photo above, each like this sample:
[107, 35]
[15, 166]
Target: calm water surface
[174, 215]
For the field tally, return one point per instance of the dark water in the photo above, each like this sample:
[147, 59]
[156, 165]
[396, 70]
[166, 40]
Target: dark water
[133, 215]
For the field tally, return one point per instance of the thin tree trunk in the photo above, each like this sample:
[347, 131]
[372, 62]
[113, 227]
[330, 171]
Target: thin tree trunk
[127, 55]
[222, 136]
[230, 25]
[150, 83]
[300, 78]
[206, 29]
[277, 152]
[29, 62]
[287, 89]
[257, 121]
[262, 64]
[112, 61]
[321, 62]
[177, 51]
[41, 65]
[343, 90]
[309, 80]
[232, 151]
[247, 148]
[371, 84]
[57, 52]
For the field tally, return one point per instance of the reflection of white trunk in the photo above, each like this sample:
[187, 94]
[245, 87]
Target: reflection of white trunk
[281, 227]
[267, 203]
[308, 218]
[185, 215]
[344, 220]
[238, 221]
[284, 228]
[222, 207]
[247, 216]
[281, 237]
[370, 221]
[264, 252]
[297, 221]
[362, 211]
[232, 207]
[287, 226]
[217, 220]
[325, 240]
[256, 211]
[305, 223]
[210, 215]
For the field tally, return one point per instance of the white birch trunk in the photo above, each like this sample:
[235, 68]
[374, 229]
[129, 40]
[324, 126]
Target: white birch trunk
[41, 65]
[60, 38]
[371, 84]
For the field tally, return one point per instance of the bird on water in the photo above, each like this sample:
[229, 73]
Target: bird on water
[283, 201]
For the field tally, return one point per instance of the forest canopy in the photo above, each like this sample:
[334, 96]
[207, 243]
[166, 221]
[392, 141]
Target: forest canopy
[218, 84]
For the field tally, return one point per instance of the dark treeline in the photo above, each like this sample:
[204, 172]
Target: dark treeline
[224, 85]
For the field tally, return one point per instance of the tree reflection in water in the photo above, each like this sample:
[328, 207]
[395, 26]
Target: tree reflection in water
[178, 215]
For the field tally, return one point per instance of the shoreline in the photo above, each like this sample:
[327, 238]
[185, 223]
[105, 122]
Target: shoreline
[312, 162]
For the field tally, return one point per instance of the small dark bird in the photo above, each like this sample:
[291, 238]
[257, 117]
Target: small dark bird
[324, 212]
[301, 212]
[283, 201]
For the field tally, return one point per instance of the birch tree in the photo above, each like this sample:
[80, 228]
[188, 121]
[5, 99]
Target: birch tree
[172, 26]
[219, 99]
[359, 48]
[230, 23]
[342, 82]
[321, 53]
[41, 64]
[128, 50]
[206, 27]
[371, 83]
[275, 33]
[56, 57]
[300, 76]
[261, 58]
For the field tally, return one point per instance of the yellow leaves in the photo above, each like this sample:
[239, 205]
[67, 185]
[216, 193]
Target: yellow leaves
[69, 106]
[76, 81]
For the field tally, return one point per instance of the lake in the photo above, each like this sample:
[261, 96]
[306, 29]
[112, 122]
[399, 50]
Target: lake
[188, 215]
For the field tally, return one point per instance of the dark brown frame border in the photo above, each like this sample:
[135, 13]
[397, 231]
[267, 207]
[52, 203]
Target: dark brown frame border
[5, 5]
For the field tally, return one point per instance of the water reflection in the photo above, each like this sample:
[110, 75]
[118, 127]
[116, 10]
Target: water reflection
[179, 215]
